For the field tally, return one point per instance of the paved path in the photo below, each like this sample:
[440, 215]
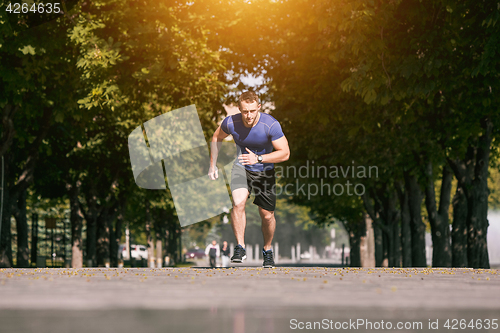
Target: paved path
[246, 299]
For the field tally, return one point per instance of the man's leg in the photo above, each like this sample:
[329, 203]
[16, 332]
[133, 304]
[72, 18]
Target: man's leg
[265, 198]
[238, 217]
[240, 190]
[268, 226]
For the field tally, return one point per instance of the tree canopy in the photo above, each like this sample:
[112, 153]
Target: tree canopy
[408, 88]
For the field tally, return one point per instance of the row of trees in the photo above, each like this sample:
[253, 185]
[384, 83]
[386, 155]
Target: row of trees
[73, 87]
[407, 86]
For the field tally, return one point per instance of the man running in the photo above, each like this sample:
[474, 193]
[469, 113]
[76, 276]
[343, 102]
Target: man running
[255, 134]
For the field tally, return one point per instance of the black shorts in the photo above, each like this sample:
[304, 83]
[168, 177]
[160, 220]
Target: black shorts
[262, 183]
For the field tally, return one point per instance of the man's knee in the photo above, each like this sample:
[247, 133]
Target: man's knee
[239, 206]
[240, 197]
[266, 215]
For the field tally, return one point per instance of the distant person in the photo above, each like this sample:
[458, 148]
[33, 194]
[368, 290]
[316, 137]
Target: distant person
[260, 143]
[224, 252]
[213, 251]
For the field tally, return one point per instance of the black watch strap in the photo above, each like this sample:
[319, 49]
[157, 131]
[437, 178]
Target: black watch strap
[259, 158]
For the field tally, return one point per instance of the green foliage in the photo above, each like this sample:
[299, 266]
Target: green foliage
[494, 186]
[388, 84]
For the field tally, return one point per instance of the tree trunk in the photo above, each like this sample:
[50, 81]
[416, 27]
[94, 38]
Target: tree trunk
[477, 227]
[113, 245]
[356, 230]
[149, 236]
[459, 230]
[91, 240]
[367, 246]
[417, 226]
[440, 229]
[396, 241]
[477, 213]
[179, 241]
[105, 234]
[375, 210]
[174, 244]
[442, 233]
[23, 251]
[25, 178]
[159, 252]
[171, 246]
[379, 245]
[115, 240]
[103, 237]
[390, 214]
[405, 225]
[386, 244]
[5, 237]
[34, 237]
[168, 245]
[386, 215]
[160, 235]
[91, 217]
[355, 254]
[472, 175]
[76, 221]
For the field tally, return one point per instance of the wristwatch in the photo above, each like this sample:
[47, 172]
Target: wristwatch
[259, 158]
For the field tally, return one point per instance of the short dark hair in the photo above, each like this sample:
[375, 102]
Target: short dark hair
[248, 97]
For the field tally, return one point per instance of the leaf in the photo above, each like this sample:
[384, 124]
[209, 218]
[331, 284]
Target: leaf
[370, 96]
[28, 49]
[172, 63]
[60, 117]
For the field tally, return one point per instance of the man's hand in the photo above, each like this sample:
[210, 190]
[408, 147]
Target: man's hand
[247, 159]
[219, 135]
[213, 173]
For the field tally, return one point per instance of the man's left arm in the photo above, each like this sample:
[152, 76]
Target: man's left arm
[281, 153]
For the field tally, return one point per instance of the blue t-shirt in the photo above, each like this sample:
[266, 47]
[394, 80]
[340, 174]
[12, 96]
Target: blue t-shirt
[258, 138]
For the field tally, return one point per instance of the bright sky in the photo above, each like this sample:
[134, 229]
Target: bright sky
[250, 80]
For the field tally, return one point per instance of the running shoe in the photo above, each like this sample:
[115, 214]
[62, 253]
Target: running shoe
[239, 254]
[268, 258]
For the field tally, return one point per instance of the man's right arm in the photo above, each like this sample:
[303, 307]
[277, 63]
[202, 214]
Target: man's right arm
[215, 145]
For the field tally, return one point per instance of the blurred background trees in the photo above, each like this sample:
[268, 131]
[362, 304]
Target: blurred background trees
[407, 86]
